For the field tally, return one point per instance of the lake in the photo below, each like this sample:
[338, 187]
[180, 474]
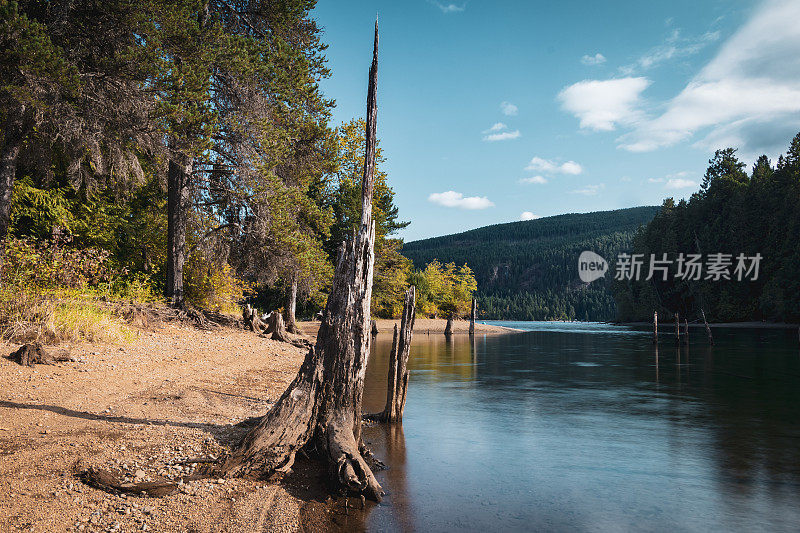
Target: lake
[587, 427]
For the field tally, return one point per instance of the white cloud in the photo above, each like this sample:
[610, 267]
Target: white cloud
[456, 199]
[527, 215]
[602, 104]
[680, 183]
[750, 87]
[590, 190]
[539, 164]
[503, 136]
[597, 59]
[509, 109]
[449, 7]
[534, 179]
[678, 180]
[674, 47]
[498, 126]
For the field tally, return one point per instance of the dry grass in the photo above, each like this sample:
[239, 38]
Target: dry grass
[51, 319]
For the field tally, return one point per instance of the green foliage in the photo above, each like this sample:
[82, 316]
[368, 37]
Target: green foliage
[528, 270]
[733, 213]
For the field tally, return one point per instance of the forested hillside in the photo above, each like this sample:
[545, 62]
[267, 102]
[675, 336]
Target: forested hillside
[528, 270]
[733, 213]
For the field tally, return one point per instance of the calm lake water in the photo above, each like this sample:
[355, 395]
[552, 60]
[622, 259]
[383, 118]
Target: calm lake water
[587, 427]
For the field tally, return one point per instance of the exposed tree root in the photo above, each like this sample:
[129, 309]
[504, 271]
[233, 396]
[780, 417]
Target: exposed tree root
[105, 480]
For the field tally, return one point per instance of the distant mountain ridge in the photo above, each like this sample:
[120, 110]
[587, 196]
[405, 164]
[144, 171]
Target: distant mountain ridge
[528, 270]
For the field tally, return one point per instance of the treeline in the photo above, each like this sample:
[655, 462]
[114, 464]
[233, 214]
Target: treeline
[185, 147]
[734, 212]
[528, 270]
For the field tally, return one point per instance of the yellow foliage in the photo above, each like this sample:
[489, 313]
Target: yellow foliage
[213, 288]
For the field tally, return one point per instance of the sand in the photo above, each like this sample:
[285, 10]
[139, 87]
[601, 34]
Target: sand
[175, 393]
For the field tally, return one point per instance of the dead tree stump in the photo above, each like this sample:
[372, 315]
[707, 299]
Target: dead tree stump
[276, 328]
[322, 406]
[251, 319]
[398, 364]
[448, 329]
[655, 327]
[31, 354]
[472, 314]
[374, 326]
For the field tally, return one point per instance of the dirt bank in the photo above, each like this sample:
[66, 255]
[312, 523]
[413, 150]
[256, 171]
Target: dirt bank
[173, 394]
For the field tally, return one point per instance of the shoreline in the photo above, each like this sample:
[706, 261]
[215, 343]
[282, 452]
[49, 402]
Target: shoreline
[422, 326]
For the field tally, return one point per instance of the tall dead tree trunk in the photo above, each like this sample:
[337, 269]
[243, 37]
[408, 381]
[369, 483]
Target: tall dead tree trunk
[13, 132]
[397, 385]
[178, 204]
[322, 406]
[8, 171]
[291, 307]
[472, 314]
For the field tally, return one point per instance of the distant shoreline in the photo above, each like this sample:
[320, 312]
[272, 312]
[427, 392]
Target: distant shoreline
[732, 325]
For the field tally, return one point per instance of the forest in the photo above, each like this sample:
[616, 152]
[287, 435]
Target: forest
[736, 211]
[181, 151]
[528, 270]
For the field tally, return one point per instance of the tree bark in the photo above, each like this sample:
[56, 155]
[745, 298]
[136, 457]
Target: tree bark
[8, 171]
[472, 314]
[398, 364]
[178, 204]
[291, 307]
[322, 406]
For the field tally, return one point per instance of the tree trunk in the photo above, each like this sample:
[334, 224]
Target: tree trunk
[8, 171]
[291, 307]
[472, 314]
[374, 327]
[398, 364]
[322, 406]
[178, 204]
[276, 328]
[251, 319]
[448, 329]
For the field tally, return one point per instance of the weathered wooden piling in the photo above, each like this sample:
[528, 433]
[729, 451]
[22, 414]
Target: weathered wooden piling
[685, 331]
[448, 329]
[708, 329]
[472, 314]
[655, 327]
[677, 329]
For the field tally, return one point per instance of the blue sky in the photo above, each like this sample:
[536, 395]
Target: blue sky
[496, 111]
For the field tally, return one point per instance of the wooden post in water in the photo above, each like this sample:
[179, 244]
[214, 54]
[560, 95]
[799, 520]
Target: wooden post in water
[655, 327]
[374, 327]
[677, 329]
[472, 316]
[685, 331]
[448, 329]
[708, 329]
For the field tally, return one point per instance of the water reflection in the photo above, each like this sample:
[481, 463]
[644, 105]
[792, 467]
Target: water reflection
[591, 428]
